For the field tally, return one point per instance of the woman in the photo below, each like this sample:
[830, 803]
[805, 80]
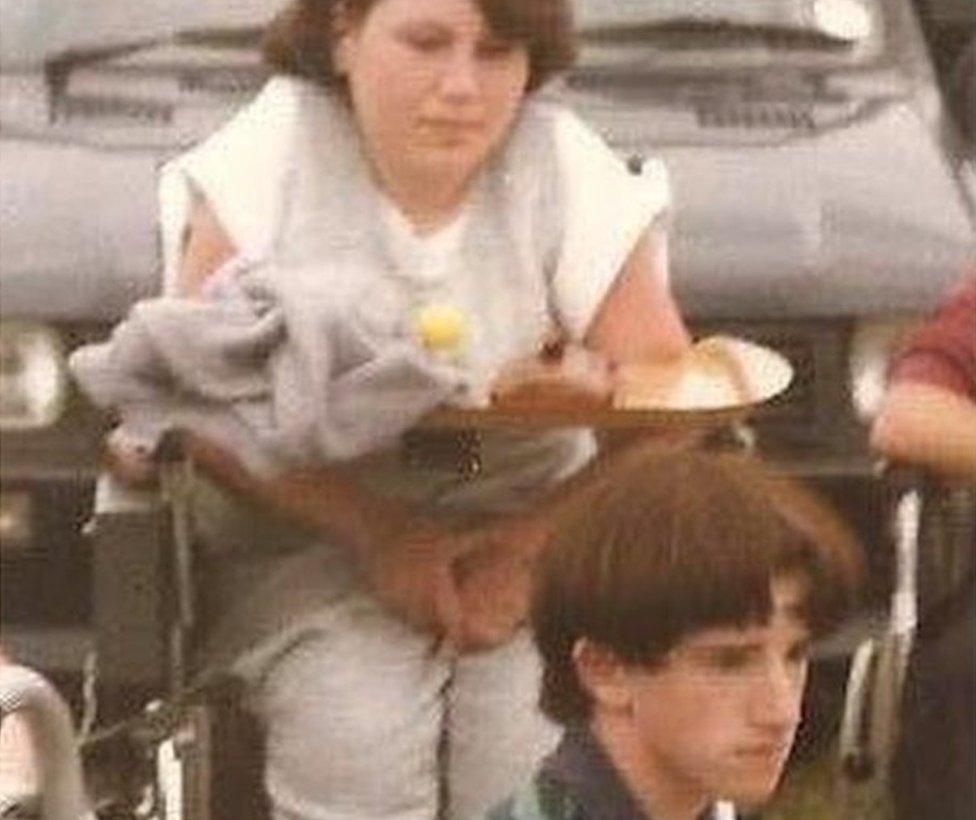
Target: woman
[400, 148]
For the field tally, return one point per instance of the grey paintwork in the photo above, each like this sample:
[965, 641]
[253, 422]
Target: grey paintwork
[78, 231]
[774, 230]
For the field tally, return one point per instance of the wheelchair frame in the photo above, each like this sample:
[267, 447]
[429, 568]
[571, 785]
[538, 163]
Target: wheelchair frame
[872, 715]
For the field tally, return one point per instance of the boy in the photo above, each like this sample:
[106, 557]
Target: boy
[674, 614]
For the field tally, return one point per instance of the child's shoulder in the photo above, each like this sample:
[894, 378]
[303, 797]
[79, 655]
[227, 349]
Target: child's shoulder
[540, 799]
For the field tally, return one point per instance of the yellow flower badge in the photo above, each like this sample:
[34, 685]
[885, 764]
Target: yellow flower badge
[442, 329]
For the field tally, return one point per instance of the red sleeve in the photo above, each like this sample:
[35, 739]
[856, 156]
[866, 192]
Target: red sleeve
[943, 351]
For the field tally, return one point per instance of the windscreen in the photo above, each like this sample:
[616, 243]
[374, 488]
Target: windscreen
[32, 31]
[749, 30]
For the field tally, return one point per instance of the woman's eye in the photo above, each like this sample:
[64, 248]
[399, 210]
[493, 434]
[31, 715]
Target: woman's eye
[495, 49]
[425, 41]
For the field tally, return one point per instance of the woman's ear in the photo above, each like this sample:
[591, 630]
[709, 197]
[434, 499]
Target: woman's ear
[603, 675]
[343, 31]
[340, 57]
[345, 23]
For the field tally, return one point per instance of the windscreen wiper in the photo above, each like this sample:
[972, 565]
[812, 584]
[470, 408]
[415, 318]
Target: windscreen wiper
[59, 67]
[691, 32]
[238, 37]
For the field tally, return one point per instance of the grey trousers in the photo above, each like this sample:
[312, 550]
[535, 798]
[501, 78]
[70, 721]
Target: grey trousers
[370, 720]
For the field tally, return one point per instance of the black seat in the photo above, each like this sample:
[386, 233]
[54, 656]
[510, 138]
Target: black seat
[147, 597]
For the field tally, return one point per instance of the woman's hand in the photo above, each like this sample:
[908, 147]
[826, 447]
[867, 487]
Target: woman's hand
[559, 376]
[493, 601]
[495, 581]
[409, 568]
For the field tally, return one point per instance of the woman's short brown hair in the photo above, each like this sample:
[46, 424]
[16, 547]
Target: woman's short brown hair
[675, 542]
[299, 39]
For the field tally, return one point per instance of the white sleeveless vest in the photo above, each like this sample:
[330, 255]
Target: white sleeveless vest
[549, 223]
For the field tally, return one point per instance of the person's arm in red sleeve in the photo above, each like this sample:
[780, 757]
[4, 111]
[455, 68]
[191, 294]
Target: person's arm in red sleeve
[928, 417]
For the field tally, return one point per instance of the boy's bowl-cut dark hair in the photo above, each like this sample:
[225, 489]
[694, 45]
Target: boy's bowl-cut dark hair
[299, 39]
[675, 542]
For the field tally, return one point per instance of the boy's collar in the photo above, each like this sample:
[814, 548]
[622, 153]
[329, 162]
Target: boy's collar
[580, 765]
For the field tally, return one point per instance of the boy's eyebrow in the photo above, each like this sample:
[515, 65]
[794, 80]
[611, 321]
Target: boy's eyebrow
[718, 644]
[733, 641]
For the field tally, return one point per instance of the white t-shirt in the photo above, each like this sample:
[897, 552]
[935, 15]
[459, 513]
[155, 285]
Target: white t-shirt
[542, 236]
[426, 257]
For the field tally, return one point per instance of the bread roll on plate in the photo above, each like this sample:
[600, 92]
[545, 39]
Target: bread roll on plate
[719, 372]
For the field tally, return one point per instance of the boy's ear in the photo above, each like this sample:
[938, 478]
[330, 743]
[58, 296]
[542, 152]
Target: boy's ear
[602, 674]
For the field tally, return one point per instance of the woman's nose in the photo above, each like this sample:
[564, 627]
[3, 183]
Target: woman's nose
[459, 80]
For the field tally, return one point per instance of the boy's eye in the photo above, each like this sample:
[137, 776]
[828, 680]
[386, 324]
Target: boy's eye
[799, 653]
[728, 659]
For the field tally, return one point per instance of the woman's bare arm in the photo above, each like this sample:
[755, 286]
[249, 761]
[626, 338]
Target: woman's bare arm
[638, 320]
[206, 246]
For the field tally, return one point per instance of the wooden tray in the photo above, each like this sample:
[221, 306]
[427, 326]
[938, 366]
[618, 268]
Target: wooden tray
[487, 418]
[722, 380]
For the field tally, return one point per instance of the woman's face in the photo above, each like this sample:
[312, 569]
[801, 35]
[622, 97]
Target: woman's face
[433, 89]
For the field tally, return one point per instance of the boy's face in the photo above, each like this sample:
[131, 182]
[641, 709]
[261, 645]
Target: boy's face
[717, 720]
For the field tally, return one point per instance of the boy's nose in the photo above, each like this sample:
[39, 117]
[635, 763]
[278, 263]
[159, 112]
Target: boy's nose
[776, 702]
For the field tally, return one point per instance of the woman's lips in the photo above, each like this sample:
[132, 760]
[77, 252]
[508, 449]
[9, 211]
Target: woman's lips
[451, 125]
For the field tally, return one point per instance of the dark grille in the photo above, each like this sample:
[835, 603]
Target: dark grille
[815, 414]
[112, 107]
[232, 83]
[46, 580]
[752, 116]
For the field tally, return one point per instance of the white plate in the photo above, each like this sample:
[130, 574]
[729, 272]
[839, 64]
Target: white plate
[720, 373]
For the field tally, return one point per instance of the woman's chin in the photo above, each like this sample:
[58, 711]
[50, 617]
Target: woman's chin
[457, 155]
